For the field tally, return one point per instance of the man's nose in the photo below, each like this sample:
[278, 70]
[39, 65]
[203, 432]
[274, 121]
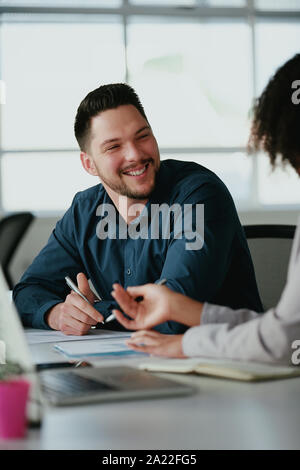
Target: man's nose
[132, 152]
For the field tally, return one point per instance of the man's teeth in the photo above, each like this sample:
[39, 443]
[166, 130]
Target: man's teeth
[136, 173]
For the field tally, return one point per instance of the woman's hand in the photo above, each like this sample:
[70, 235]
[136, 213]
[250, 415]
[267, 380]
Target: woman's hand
[157, 304]
[151, 310]
[157, 344]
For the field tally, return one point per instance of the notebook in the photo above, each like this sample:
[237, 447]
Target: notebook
[235, 370]
[36, 336]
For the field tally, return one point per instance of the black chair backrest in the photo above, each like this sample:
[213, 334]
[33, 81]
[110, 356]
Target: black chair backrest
[270, 247]
[12, 230]
[270, 231]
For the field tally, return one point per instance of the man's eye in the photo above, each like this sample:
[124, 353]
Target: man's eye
[143, 136]
[113, 147]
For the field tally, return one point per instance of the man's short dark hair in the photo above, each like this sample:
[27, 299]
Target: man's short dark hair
[101, 99]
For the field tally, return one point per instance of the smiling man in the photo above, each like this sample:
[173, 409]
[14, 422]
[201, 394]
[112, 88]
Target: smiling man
[123, 152]
[128, 228]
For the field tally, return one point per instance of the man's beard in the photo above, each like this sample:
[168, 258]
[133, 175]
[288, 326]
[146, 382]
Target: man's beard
[122, 188]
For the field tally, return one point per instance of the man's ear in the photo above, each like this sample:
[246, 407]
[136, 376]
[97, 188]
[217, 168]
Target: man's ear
[88, 164]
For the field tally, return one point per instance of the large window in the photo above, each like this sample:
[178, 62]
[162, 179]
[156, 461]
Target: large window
[196, 64]
[48, 67]
[188, 85]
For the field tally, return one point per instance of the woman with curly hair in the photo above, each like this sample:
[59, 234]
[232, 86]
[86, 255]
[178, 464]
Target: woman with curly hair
[216, 331]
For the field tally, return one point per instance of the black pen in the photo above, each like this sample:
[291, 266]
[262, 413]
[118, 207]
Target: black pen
[138, 299]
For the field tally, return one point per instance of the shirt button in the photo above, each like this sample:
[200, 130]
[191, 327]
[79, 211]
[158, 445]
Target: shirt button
[128, 271]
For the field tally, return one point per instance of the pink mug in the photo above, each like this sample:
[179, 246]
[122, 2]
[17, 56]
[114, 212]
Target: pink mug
[13, 399]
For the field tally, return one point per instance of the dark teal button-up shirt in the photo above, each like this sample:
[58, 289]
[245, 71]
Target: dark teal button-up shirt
[220, 272]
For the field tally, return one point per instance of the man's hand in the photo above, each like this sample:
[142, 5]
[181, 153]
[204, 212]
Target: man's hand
[156, 344]
[75, 316]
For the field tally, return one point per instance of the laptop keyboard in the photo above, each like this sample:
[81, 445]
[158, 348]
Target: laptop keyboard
[70, 384]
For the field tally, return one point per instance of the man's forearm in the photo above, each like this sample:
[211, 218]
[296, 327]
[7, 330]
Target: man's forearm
[33, 302]
[52, 317]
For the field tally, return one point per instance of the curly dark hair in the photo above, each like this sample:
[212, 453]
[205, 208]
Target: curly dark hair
[276, 118]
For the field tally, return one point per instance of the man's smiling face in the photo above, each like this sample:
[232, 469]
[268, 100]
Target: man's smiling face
[123, 152]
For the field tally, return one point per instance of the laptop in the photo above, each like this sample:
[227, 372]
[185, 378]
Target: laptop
[65, 386]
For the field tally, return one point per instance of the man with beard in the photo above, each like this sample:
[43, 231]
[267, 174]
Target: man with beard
[118, 146]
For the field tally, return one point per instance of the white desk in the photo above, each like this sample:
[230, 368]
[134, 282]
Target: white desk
[222, 415]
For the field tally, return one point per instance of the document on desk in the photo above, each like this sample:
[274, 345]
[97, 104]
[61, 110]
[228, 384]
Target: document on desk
[35, 336]
[106, 347]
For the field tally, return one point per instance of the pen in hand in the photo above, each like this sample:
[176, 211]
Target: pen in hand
[74, 288]
[138, 299]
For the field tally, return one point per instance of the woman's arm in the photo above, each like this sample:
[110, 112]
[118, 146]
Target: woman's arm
[158, 304]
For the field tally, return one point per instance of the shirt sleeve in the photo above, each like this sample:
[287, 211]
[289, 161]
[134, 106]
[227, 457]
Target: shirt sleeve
[200, 272]
[220, 314]
[244, 335]
[43, 284]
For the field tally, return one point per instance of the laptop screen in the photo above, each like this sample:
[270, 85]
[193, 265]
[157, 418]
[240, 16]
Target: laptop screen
[11, 330]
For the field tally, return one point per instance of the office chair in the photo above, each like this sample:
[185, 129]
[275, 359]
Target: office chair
[270, 247]
[12, 230]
